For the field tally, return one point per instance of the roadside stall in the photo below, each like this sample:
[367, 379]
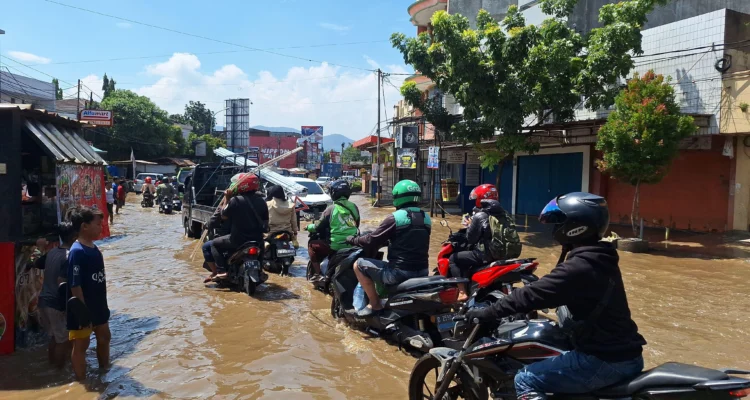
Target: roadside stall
[43, 155]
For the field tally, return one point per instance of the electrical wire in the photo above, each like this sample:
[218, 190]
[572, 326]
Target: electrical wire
[202, 37]
[210, 53]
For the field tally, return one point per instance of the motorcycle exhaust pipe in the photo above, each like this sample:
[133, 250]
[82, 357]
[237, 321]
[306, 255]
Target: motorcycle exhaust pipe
[404, 334]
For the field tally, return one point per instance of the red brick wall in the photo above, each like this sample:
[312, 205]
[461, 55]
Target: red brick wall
[694, 195]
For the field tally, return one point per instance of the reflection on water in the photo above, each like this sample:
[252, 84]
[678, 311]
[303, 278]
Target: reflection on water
[175, 338]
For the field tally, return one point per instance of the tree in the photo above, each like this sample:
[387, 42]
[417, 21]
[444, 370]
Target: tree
[58, 91]
[139, 124]
[350, 154]
[178, 119]
[510, 77]
[327, 157]
[108, 85]
[199, 117]
[641, 136]
[212, 142]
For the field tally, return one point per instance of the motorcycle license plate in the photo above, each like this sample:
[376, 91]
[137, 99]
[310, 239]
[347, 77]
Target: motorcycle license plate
[445, 322]
[287, 252]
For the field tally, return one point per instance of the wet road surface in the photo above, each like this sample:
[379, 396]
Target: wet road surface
[174, 338]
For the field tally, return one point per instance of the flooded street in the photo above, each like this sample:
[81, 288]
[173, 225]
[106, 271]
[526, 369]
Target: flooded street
[174, 338]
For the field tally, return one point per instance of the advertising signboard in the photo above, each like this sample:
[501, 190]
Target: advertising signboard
[433, 160]
[313, 134]
[97, 117]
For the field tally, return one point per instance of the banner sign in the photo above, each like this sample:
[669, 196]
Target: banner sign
[81, 185]
[407, 158]
[97, 117]
[472, 157]
[408, 137]
[433, 157]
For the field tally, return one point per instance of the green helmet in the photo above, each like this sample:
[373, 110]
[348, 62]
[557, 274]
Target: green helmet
[406, 192]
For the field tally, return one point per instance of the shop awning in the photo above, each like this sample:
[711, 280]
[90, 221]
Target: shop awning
[62, 143]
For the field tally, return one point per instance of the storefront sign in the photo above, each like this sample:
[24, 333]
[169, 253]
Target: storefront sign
[455, 156]
[472, 176]
[81, 185]
[407, 158]
[97, 117]
[472, 157]
[433, 157]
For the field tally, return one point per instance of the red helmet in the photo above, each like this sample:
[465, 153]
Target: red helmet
[247, 183]
[483, 192]
[148, 179]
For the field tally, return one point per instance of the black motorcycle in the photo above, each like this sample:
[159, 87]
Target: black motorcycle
[281, 252]
[177, 203]
[489, 364]
[148, 199]
[245, 272]
[417, 313]
[165, 206]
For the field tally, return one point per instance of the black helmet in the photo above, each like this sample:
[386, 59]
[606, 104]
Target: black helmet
[340, 189]
[579, 218]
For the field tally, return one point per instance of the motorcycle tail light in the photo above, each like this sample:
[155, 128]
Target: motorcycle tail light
[738, 394]
[448, 296]
[253, 251]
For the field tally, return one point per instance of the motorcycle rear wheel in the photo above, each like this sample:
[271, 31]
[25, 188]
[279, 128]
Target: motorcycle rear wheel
[423, 382]
[336, 311]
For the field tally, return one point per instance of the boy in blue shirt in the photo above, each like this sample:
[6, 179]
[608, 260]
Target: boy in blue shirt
[87, 282]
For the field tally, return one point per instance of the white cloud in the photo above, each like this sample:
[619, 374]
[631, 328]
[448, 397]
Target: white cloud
[28, 57]
[123, 25]
[334, 27]
[342, 100]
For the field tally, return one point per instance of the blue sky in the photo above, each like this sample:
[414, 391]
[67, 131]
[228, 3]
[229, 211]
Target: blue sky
[284, 91]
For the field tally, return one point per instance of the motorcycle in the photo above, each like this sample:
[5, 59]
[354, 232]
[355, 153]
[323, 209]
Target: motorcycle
[488, 281]
[489, 364]
[328, 266]
[244, 271]
[281, 252]
[165, 206]
[148, 199]
[177, 203]
[417, 313]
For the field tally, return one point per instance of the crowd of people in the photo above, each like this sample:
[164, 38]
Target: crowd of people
[587, 278]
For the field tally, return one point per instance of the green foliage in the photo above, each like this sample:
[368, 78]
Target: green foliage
[510, 76]
[352, 153]
[326, 157]
[744, 106]
[58, 91]
[357, 186]
[199, 117]
[212, 142]
[108, 85]
[140, 124]
[642, 135]
[178, 119]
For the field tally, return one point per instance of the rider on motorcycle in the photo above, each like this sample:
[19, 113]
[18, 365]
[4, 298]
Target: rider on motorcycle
[282, 217]
[339, 221]
[248, 215]
[407, 234]
[148, 187]
[607, 344]
[479, 235]
[165, 190]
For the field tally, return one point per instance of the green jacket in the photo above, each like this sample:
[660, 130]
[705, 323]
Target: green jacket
[339, 221]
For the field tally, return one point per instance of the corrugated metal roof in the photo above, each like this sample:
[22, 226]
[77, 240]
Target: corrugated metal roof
[62, 143]
[289, 185]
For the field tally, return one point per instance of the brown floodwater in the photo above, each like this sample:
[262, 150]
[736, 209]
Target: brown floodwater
[172, 337]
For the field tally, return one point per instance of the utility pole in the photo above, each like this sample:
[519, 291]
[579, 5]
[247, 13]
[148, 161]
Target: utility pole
[78, 102]
[378, 191]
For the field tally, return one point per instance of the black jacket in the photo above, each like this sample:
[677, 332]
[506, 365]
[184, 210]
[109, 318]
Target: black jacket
[479, 229]
[580, 283]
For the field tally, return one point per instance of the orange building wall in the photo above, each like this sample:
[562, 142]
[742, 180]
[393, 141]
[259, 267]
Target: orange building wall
[694, 195]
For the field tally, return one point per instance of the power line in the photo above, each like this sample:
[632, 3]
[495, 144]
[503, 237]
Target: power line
[211, 53]
[201, 36]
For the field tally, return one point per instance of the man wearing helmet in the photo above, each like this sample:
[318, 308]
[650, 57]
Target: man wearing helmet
[607, 344]
[165, 190]
[248, 214]
[339, 221]
[148, 186]
[479, 235]
[407, 234]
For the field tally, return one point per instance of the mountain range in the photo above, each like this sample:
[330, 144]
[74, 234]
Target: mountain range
[331, 141]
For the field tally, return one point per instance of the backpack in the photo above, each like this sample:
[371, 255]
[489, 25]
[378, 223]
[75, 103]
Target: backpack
[504, 243]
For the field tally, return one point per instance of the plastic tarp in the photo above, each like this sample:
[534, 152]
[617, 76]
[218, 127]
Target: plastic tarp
[290, 187]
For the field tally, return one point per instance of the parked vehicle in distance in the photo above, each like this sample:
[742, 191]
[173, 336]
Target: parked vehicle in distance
[324, 181]
[141, 178]
[316, 200]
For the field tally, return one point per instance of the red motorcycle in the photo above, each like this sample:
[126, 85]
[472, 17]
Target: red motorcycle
[492, 281]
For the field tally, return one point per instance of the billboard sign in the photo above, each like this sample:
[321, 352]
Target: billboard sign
[313, 134]
[97, 117]
[433, 160]
[407, 158]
